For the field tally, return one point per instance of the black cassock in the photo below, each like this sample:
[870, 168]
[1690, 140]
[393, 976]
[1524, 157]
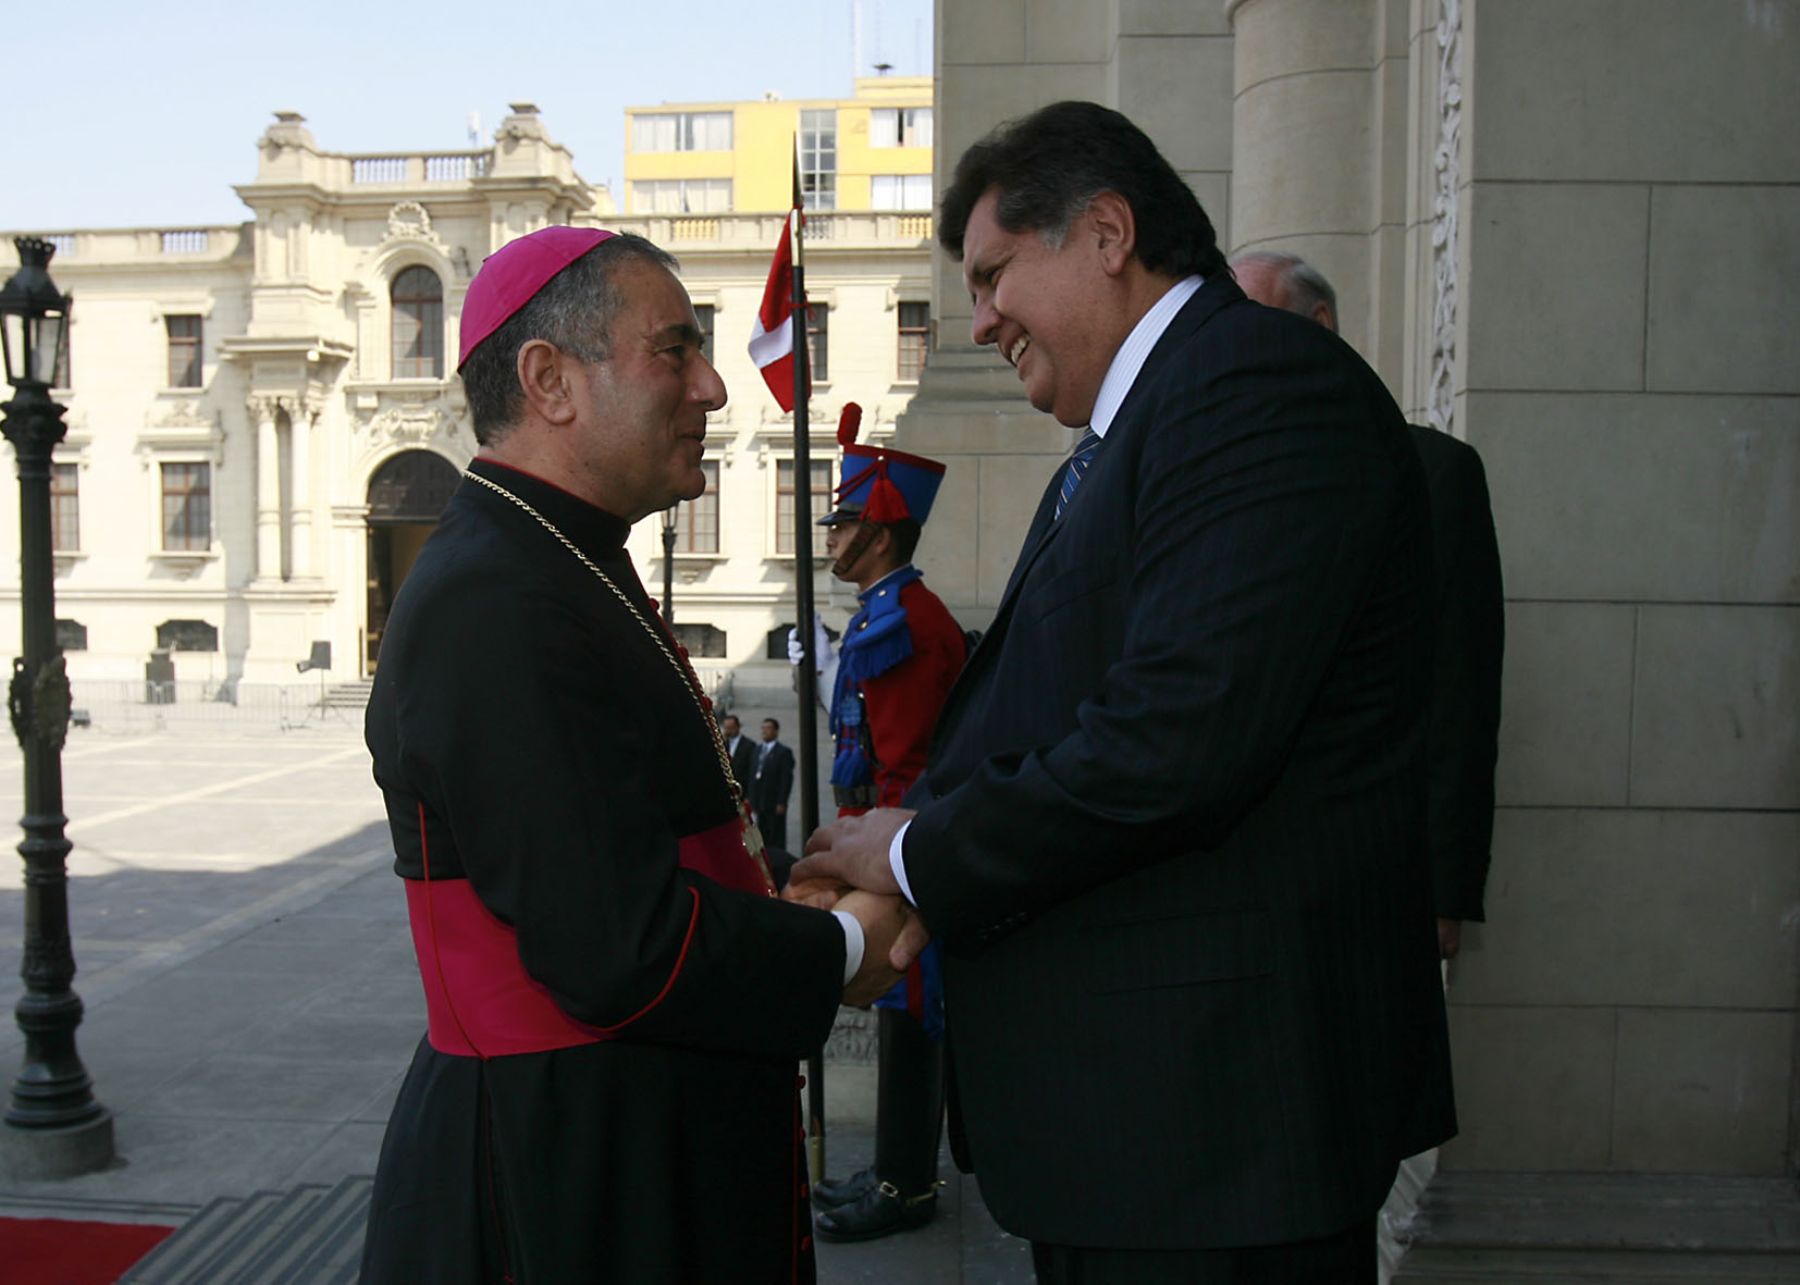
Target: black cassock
[528, 727]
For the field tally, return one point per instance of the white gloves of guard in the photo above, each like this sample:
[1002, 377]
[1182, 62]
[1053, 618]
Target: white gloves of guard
[825, 657]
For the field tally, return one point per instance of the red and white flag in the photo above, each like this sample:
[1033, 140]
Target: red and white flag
[772, 335]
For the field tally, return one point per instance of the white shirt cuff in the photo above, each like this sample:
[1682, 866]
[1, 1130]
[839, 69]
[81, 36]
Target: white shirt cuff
[853, 943]
[897, 860]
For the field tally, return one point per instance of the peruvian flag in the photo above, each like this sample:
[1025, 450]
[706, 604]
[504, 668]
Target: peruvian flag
[772, 337]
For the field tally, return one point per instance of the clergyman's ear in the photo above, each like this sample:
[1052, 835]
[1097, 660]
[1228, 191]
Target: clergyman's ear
[545, 374]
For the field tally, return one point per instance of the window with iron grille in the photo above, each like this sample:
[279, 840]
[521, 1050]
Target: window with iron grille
[186, 635]
[71, 635]
[186, 507]
[784, 505]
[65, 508]
[184, 351]
[704, 642]
[818, 158]
[418, 299]
[818, 341]
[697, 520]
[704, 313]
[914, 336]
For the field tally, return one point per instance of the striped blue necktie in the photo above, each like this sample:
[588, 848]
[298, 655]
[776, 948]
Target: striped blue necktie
[1085, 450]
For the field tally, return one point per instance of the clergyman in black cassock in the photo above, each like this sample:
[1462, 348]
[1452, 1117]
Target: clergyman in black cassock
[616, 998]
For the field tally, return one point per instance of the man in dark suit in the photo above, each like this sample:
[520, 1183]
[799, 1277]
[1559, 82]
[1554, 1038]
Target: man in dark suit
[742, 751]
[772, 784]
[1463, 741]
[1172, 833]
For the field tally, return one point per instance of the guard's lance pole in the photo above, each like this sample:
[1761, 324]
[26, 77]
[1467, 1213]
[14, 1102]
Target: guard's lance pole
[808, 675]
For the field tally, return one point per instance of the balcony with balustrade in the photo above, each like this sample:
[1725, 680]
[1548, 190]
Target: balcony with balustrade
[830, 230]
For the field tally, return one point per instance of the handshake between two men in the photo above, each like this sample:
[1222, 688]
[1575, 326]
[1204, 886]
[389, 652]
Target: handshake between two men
[846, 868]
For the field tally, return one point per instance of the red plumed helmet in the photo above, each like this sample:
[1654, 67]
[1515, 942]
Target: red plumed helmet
[848, 423]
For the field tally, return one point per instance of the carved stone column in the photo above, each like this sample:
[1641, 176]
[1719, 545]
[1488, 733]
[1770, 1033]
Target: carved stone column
[300, 551]
[1319, 154]
[268, 488]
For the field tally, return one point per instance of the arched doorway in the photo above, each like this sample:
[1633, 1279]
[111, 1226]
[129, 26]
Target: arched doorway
[406, 497]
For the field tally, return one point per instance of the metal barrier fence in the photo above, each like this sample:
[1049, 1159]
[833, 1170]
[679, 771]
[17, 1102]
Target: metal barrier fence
[142, 705]
[139, 706]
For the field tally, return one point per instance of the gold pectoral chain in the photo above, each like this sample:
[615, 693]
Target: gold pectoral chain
[689, 679]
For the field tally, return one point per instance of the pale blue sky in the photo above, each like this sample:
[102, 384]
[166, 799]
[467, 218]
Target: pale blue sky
[147, 114]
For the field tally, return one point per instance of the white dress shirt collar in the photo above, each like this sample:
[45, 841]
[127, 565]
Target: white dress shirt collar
[1132, 354]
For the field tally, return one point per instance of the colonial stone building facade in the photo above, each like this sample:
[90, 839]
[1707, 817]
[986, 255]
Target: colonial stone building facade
[265, 420]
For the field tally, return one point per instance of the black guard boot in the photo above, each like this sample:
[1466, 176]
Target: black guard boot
[901, 1190]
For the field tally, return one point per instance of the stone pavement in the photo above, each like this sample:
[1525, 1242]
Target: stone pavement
[252, 998]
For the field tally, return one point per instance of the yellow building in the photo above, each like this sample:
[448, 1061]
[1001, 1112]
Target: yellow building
[871, 151]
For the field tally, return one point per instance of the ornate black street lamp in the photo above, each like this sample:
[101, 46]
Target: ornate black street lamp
[54, 1125]
[668, 602]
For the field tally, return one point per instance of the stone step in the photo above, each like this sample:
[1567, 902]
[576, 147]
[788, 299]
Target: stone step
[348, 695]
[177, 1257]
[311, 1233]
[334, 1243]
[1620, 1229]
[1515, 1267]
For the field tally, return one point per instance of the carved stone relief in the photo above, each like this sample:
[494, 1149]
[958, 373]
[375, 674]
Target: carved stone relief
[1441, 402]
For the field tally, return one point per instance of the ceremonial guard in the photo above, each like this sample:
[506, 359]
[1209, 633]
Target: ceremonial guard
[899, 657]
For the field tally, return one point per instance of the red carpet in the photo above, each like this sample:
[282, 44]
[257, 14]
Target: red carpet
[58, 1251]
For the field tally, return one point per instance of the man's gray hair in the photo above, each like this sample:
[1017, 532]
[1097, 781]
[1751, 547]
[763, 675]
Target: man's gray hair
[1306, 286]
[574, 311]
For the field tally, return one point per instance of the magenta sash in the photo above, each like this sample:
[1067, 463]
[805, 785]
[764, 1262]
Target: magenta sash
[479, 1000]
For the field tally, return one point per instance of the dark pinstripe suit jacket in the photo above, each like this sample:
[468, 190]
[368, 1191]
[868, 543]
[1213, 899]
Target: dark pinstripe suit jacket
[1175, 840]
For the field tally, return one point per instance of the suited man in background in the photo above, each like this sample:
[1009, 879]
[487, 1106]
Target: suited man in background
[771, 785]
[1172, 832]
[742, 751]
[1463, 742]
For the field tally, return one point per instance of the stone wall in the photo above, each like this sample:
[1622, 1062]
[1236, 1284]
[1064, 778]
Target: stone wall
[1631, 359]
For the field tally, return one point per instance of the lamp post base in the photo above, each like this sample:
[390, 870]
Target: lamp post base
[28, 1155]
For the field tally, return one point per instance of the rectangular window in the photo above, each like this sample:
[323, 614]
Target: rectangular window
[818, 341]
[65, 508]
[681, 196]
[681, 132]
[914, 337]
[784, 505]
[703, 312]
[187, 507]
[707, 642]
[900, 191]
[184, 351]
[900, 127]
[697, 520]
[818, 158]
